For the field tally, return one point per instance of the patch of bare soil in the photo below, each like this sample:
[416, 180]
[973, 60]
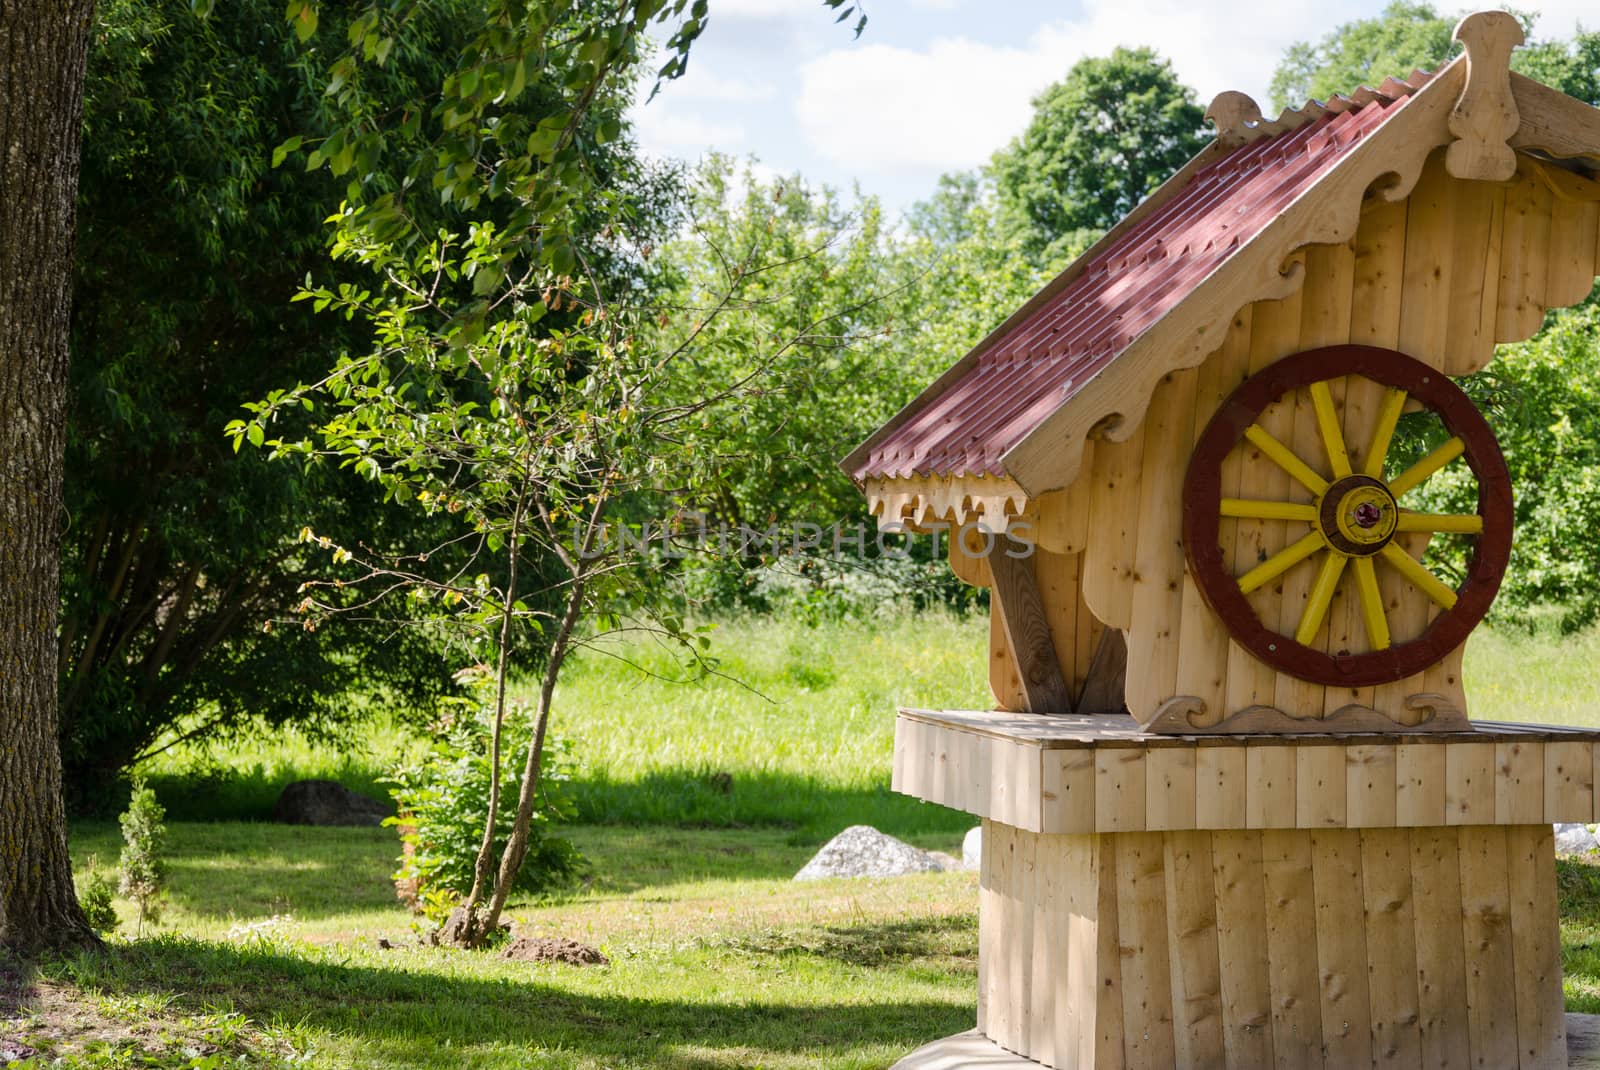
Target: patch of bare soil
[553, 949]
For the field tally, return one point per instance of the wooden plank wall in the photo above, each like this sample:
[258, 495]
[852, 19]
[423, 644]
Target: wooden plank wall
[1443, 275]
[1322, 949]
[1250, 782]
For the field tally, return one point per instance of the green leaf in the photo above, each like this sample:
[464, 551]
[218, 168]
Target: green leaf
[257, 435]
[282, 151]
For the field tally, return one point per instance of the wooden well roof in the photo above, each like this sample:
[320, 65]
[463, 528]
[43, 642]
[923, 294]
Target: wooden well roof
[1154, 295]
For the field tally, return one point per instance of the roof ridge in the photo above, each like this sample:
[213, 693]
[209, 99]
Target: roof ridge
[1239, 120]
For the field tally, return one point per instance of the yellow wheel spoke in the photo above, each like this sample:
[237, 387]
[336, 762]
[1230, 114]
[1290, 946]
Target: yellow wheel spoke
[1462, 524]
[1281, 562]
[1371, 604]
[1321, 597]
[1328, 424]
[1252, 509]
[1394, 403]
[1285, 459]
[1426, 581]
[1418, 473]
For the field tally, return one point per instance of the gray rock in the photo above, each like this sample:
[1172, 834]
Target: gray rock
[863, 851]
[947, 862]
[1575, 839]
[972, 848]
[327, 802]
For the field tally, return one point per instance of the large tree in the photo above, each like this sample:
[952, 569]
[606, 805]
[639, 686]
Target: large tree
[1102, 138]
[42, 48]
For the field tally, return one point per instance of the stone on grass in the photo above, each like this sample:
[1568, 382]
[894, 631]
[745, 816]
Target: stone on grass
[1575, 839]
[863, 851]
[327, 802]
[972, 848]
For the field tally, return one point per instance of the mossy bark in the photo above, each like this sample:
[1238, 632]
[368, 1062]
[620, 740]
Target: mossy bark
[42, 49]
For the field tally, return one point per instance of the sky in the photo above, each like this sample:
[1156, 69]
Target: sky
[934, 86]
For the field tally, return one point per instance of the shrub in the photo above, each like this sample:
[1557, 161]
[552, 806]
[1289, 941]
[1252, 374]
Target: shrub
[143, 870]
[443, 800]
[95, 899]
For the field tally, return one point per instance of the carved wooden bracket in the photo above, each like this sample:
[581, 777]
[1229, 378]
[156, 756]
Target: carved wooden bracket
[1485, 117]
[1014, 597]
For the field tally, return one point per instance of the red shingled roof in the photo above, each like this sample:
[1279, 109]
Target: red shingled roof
[1033, 367]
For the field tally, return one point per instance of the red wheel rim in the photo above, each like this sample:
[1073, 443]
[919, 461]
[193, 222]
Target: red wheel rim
[1202, 498]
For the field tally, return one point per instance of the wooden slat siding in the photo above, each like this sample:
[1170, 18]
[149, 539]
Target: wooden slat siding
[1119, 789]
[1291, 923]
[1519, 783]
[1067, 790]
[1425, 317]
[1319, 787]
[1490, 972]
[1220, 792]
[1159, 559]
[998, 976]
[1419, 784]
[1569, 782]
[1441, 969]
[902, 773]
[1269, 790]
[1057, 576]
[1192, 942]
[1114, 518]
[1474, 278]
[1536, 948]
[1049, 958]
[1341, 947]
[1081, 976]
[1203, 653]
[1022, 784]
[1109, 1053]
[1242, 949]
[980, 776]
[1392, 946]
[1571, 270]
[1274, 334]
[1469, 783]
[1019, 957]
[1005, 682]
[1444, 677]
[1370, 789]
[1524, 257]
[1014, 597]
[1146, 963]
[1169, 780]
[986, 921]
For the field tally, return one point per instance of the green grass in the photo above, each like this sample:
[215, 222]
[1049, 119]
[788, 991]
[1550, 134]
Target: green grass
[796, 733]
[718, 959]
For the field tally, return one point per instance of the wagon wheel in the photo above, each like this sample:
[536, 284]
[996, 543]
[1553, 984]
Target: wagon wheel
[1353, 518]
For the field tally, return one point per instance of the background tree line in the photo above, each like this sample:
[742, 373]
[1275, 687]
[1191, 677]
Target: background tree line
[180, 556]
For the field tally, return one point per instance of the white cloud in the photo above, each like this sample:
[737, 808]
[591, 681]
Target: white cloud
[885, 110]
[668, 133]
[702, 83]
[1560, 18]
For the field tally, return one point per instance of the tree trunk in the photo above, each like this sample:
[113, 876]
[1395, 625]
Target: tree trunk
[42, 48]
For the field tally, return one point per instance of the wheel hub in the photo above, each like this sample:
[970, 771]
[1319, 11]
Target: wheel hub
[1358, 515]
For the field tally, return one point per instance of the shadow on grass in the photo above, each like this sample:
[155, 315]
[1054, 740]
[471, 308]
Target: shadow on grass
[426, 1012]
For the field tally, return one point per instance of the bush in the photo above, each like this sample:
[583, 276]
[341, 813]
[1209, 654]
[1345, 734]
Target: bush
[443, 799]
[95, 899]
[143, 870]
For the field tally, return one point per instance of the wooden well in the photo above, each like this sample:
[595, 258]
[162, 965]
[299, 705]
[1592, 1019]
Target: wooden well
[1261, 901]
[1235, 811]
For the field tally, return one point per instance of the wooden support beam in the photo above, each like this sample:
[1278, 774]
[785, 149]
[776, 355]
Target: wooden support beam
[1553, 122]
[1015, 599]
[1106, 683]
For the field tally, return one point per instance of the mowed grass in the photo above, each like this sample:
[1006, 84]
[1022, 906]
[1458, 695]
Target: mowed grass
[718, 959]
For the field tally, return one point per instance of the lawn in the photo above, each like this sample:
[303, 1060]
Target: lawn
[269, 954]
